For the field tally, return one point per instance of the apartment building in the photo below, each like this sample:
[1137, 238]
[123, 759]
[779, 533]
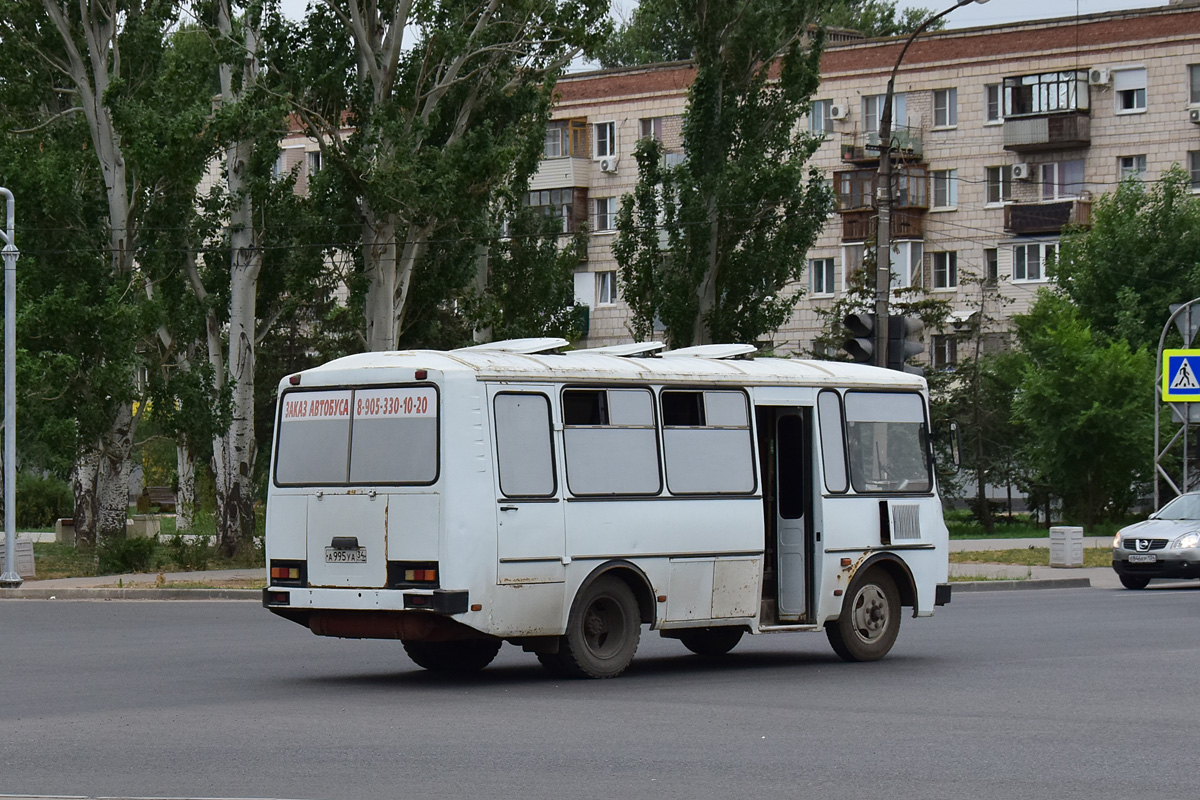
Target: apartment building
[1003, 134]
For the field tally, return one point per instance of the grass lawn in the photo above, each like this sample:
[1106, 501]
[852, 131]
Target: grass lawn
[1030, 557]
[963, 525]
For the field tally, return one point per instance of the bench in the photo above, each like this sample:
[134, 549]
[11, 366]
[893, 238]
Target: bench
[163, 497]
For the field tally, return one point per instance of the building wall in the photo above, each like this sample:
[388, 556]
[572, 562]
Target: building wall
[1165, 42]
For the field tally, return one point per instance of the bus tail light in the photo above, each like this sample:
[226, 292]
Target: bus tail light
[413, 575]
[288, 573]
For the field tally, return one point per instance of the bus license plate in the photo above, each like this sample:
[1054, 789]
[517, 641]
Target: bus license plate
[336, 556]
[1142, 558]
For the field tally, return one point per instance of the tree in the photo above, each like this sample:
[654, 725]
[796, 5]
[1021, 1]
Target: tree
[664, 30]
[436, 126]
[1139, 255]
[1081, 405]
[741, 210]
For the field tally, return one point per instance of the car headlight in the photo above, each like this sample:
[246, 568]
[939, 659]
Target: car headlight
[1188, 540]
[1117, 542]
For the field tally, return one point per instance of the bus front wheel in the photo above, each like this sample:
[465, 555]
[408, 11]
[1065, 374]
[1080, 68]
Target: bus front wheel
[602, 632]
[459, 657]
[870, 619]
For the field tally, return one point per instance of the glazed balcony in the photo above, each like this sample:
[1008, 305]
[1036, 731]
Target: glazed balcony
[1051, 217]
[863, 148]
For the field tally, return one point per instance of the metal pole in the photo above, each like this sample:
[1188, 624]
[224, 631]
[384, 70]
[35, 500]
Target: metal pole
[884, 199]
[10, 579]
[1158, 376]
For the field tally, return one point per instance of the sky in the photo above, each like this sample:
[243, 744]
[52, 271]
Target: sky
[992, 13]
[998, 12]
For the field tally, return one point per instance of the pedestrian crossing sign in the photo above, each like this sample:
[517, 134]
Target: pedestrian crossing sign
[1181, 376]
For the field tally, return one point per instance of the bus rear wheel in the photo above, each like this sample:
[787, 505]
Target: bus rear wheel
[711, 641]
[602, 632]
[870, 619]
[457, 658]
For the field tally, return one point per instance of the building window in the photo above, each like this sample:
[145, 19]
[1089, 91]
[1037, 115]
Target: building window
[819, 119]
[314, 162]
[605, 214]
[945, 270]
[1062, 179]
[566, 137]
[872, 108]
[651, 128]
[852, 262]
[606, 288]
[945, 108]
[606, 139]
[1129, 88]
[945, 188]
[1194, 84]
[1029, 261]
[991, 266]
[944, 351]
[553, 203]
[999, 185]
[1045, 93]
[821, 270]
[1131, 167]
[1194, 165]
[906, 262]
[991, 102]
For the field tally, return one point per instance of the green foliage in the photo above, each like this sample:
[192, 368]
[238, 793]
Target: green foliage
[42, 500]
[1141, 254]
[741, 210]
[116, 555]
[1082, 405]
[190, 552]
[666, 30]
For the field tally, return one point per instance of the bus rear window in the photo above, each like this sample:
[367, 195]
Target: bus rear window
[886, 442]
[365, 436]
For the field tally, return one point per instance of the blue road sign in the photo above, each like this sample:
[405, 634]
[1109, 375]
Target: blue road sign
[1181, 376]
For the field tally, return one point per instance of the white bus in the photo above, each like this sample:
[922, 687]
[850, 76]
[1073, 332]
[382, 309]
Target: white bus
[560, 501]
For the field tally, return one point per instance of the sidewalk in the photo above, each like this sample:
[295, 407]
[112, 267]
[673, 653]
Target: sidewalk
[993, 577]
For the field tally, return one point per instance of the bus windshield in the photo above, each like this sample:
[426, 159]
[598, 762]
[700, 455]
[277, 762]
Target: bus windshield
[885, 434]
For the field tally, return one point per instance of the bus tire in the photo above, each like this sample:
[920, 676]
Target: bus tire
[457, 658]
[870, 619]
[602, 635]
[711, 641]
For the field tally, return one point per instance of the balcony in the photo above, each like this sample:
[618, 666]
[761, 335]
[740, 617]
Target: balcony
[559, 173]
[858, 148]
[1058, 131]
[1030, 218]
[859, 225]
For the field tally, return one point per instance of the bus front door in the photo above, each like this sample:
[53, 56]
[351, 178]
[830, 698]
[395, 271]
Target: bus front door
[793, 512]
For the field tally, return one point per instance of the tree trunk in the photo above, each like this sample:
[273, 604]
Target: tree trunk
[84, 476]
[113, 474]
[379, 259]
[185, 497]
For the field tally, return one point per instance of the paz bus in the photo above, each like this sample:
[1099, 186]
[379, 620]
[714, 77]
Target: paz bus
[563, 500]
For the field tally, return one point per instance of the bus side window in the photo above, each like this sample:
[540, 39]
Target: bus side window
[887, 439]
[610, 442]
[833, 444]
[524, 453]
[707, 442]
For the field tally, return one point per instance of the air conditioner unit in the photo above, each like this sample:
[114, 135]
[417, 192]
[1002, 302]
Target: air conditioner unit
[839, 111]
[608, 164]
[1022, 172]
[1098, 77]
[1194, 115]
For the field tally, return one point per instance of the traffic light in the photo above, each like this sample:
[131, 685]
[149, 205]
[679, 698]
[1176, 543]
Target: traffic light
[904, 343]
[861, 344]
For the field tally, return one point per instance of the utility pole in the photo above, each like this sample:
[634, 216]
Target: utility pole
[10, 579]
[884, 198]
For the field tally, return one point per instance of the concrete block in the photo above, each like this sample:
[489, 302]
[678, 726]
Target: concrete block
[145, 526]
[24, 559]
[64, 531]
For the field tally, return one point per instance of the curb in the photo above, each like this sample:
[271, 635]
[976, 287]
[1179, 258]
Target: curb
[130, 594]
[1009, 586]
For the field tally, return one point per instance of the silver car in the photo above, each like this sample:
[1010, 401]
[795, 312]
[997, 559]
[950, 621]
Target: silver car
[1167, 545]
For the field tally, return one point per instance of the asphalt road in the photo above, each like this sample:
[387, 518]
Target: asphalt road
[1086, 693]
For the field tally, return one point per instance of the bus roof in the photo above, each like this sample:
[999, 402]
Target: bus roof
[583, 365]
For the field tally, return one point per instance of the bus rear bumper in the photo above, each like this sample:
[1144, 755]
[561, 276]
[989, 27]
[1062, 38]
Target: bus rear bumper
[439, 601]
[422, 616]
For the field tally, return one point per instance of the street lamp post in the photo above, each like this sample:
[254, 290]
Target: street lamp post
[883, 191]
[10, 579]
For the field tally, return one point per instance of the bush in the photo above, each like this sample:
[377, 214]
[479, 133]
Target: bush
[190, 555]
[125, 555]
[41, 501]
